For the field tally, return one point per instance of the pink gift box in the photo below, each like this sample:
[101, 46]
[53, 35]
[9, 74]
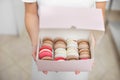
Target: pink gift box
[69, 22]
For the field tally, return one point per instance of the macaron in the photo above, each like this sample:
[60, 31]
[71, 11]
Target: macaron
[84, 52]
[45, 50]
[45, 54]
[47, 39]
[58, 45]
[83, 44]
[60, 50]
[47, 44]
[63, 55]
[47, 58]
[45, 47]
[83, 56]
[72, 57]
[72, 43]
[58, 40]
[72, 49]
[73, 54]
[59, 59]
[80, 41]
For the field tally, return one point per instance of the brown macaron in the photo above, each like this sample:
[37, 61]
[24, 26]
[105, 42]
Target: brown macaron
[59, 45]
[48, 40]
[47, 44]
[83, 44]
[83, 56]
[59, 39]
[84, 50]
[72, 57]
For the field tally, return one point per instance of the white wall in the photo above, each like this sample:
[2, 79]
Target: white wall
[19, 14]
[7, 20]
[11, 16]
[116, 5]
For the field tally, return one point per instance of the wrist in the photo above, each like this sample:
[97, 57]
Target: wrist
[34, 47]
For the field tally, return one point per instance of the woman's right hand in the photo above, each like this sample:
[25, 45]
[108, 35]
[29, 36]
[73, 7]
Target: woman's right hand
[34, 52]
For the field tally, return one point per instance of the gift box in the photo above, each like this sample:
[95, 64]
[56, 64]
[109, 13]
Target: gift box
[74, 23]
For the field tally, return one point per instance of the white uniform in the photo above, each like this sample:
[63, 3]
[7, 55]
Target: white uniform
[62, 75]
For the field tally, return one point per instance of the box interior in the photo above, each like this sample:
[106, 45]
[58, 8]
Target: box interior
[65, 34]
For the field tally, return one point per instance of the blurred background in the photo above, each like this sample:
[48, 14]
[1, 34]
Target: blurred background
[15, 46]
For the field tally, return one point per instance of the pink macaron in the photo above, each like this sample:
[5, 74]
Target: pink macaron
[45, 47]
[45, 54]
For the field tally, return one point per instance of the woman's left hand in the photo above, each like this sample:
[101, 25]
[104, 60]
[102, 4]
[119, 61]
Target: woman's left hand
[77, 72]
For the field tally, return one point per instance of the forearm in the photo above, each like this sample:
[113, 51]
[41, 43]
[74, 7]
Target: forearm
[32, 26]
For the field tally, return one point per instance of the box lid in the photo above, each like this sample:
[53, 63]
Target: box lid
[52, 17]
[66, 17]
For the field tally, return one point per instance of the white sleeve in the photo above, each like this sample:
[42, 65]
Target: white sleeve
[101, 0]
[29, 1]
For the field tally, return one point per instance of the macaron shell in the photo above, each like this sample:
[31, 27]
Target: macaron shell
[60, 50]
[45, 54]
[84, 49]
[60, 42]
[84, 56]
[72, 50]
[73, 54]
[59, 46]
[82, 46]
[61, 55]
[47, 44]
[45, 47]
[85, 52]
[59, 39]
[82, 41]
[72, 57]
[47, 38]
[72, 43]
[45, 50]
[47, 58]
[59, 58]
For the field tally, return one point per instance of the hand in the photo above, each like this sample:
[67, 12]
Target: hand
[45, 72]
[34, 52]
[77, 72]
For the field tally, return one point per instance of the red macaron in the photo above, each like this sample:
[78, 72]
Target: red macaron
[45, 54]
[45, 47]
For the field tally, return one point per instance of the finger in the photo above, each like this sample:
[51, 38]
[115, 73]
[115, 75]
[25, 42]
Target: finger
[34, 53]
[45, 72]
[77, 72]
[34, 57]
